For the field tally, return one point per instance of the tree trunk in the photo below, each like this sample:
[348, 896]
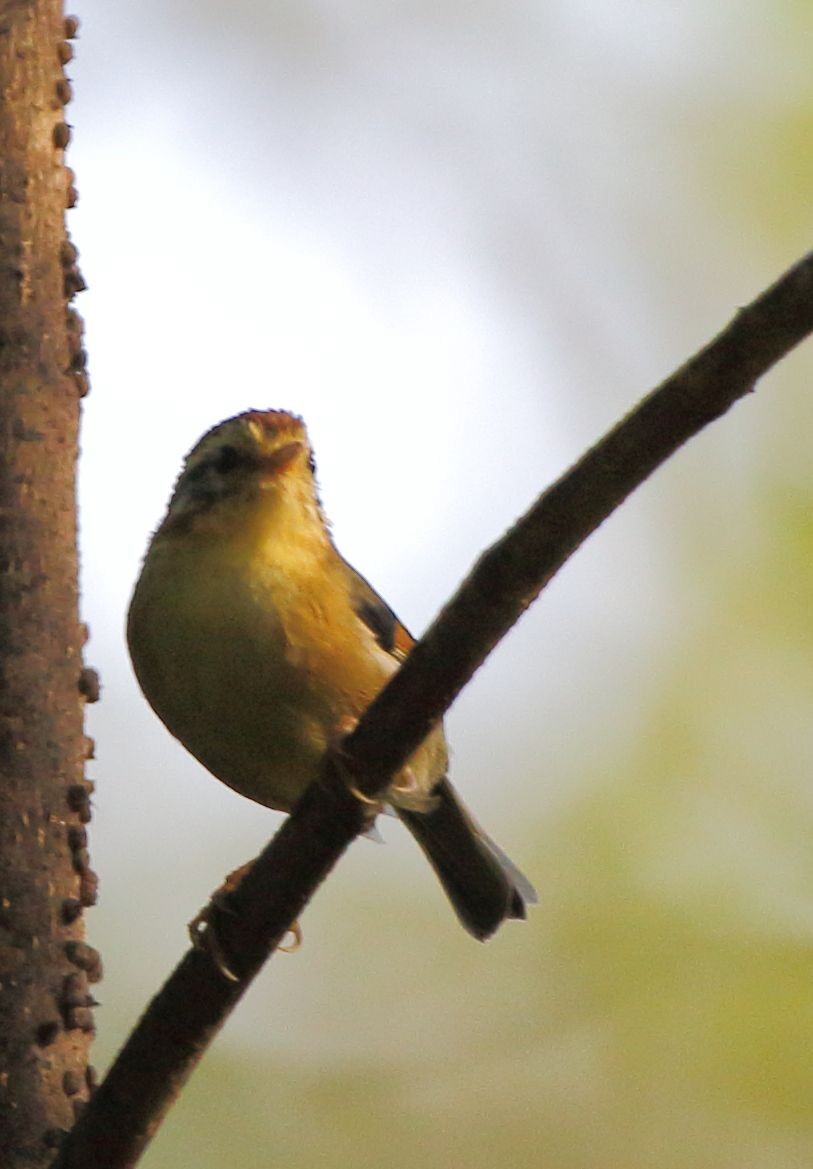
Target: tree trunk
[45, 880]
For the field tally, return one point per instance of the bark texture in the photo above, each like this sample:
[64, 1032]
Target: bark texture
[45, 879]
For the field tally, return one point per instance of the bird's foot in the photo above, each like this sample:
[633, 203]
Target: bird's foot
[203, 933]
[408, 793]
[344, 726]
[295, 930]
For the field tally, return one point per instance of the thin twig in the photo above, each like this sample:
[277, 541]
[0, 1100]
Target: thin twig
[186, 1014]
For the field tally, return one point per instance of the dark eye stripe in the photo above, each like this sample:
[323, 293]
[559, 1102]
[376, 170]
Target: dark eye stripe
[228, 457]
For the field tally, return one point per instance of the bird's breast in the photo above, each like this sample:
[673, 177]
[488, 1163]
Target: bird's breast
[252, 667]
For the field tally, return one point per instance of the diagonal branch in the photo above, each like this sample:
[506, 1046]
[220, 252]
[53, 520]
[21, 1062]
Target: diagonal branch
[186, 1014]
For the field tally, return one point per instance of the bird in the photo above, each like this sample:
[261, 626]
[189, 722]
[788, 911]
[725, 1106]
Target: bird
[255, 642]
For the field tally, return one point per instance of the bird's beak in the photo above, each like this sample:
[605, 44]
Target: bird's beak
[279, 461]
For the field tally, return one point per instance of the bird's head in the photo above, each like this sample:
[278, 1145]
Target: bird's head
[258, 461]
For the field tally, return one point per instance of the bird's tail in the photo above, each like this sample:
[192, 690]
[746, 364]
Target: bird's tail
[483, 885]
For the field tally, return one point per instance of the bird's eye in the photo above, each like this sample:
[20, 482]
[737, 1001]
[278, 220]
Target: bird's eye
[228, 457]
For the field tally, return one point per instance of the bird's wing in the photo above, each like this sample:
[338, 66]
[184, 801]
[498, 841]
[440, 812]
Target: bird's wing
[378, 616]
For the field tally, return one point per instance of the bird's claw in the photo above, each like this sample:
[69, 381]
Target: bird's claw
[203, 933]
[295, 930]
[344, 726]
[203, 936]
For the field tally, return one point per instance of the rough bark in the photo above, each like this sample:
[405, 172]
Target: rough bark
[45, 880]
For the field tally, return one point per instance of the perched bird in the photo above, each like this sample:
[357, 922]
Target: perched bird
[255, 641]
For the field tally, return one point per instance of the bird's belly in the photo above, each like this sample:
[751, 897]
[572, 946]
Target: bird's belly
[261, 732]
[254, 698]
[255, 708]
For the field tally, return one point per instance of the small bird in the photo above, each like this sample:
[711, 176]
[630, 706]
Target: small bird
[255, 642]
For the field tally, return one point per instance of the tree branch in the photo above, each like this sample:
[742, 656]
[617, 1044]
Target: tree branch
[186, 1014]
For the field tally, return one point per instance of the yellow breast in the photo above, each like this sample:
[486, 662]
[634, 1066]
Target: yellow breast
[253, 661]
